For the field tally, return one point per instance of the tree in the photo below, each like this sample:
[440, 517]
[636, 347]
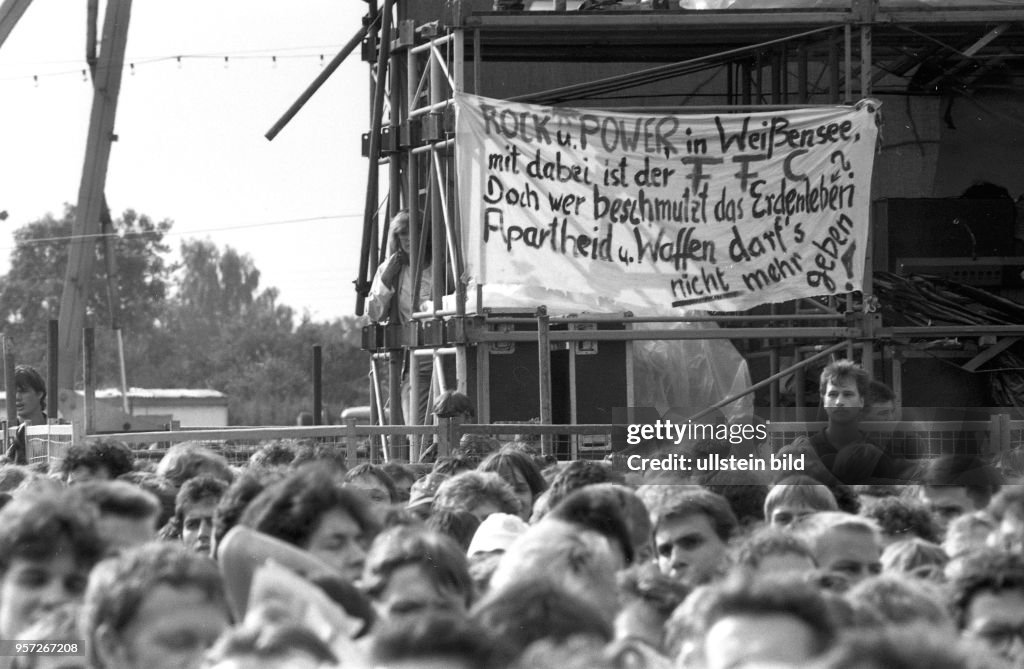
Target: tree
[203, 323]
[30, 292]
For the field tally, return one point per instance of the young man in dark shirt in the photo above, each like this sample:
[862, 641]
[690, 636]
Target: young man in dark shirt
[842, 447]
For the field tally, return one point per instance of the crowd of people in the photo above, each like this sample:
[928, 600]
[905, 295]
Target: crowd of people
[494, 557]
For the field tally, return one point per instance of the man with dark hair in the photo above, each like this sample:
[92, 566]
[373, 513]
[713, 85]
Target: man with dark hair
[415, 572]
[987, 596]
[954, 485]
[127, 513]
[842, 448]
[309, 510]
[97, 460]
[158, 605]
[577, 474]
[194, 508]
[692, 536]
[30, 403]
[777, 622]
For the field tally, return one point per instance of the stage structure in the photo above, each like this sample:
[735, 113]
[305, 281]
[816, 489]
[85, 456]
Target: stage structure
[511, 67]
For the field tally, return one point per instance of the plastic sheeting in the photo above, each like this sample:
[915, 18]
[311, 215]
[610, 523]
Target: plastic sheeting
[678, 378]
[683, 377]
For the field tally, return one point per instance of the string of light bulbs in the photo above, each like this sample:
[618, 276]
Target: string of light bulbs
[132, 65]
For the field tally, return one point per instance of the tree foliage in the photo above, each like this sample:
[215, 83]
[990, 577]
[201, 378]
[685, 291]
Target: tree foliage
[204, 322]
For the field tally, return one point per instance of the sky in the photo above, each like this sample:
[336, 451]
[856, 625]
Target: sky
[190, 132]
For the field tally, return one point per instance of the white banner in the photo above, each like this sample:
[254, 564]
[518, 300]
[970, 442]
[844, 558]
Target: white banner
[717, 212]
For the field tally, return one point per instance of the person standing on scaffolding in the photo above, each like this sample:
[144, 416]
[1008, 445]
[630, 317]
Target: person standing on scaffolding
[30, 402]
[394, 278]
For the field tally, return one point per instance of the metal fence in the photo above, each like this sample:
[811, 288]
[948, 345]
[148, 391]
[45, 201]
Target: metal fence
[999, 438]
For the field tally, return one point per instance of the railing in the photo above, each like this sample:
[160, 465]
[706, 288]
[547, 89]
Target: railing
[997, 437]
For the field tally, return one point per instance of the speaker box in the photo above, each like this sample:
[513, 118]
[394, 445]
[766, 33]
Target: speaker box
[588, 379]
[940, 228]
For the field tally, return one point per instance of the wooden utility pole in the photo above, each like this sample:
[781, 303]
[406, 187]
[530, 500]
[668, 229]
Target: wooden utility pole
[10, 12]
[82, 256]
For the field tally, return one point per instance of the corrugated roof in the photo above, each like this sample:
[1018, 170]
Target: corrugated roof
[161, 393]
[153, 393]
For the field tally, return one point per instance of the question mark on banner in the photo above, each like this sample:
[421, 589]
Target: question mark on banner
[844, 164]
[847, 260]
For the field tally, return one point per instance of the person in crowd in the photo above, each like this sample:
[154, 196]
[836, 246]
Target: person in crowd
[127, 514]
[901, 601]
[580, 653]
[576, 474]
[458, 525]
[422, 493]
[159, 487]
[446, 641]
[475, 448]
[795, 497]
[187, 459]
[647, 599]
[97, 460]
[773, 551]
[12, 475]
[58, 625]
[309, 510]
[30, 404]
[48, 544]
[967, 532]
[276, 453]
[881, 402]
[157, 605]
[987, 597]
[580, 560]
[841, 446]
[780, 621]
[490, 541]
[232, 504]
[1007, 510]
[745, 492]
[403, 476]
[374, 482]
[692, 537]
[902, 648]
[953, 485]
[194, 511]
[535, 608]
[521, 473]
[450, 465]
[915, 558]
[414, 572]
[480, 493]
[601, 508]
[901, 518]
[846, 548]
[271, 646]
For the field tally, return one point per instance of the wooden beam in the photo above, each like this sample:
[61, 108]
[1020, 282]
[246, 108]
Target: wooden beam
[992, 351]
[81, 256]
[10, 13]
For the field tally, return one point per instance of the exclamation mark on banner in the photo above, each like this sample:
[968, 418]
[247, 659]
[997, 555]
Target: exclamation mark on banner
[847, 260]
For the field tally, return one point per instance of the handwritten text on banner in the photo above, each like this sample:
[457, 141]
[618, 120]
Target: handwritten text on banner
[720, 212]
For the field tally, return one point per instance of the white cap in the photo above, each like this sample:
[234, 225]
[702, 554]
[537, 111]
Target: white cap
[496, 533]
